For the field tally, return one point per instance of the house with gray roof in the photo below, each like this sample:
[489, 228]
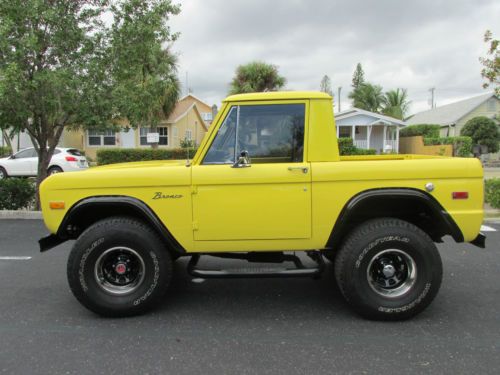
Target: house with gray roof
[369, 130]
[452, 117]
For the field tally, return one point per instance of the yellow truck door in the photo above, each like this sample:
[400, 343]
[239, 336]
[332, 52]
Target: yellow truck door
[267, 195]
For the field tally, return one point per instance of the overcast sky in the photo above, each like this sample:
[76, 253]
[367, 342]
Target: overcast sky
[409, 44]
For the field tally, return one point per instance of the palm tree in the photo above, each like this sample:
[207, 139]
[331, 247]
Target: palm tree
[368, 97]
[256, 77]
[396, 103]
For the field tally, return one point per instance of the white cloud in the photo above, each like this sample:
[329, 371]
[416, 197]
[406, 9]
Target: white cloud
[414, 45]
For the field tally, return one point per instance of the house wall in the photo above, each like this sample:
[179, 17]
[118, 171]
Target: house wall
[415, 145]
[489, 108]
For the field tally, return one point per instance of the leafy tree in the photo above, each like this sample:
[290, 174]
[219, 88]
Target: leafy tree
[491, 70]
[483, 131]
[368, 97]
[146, 87]
[358, 78]
[396, 103]
[326, 85]
[256, 76]
[51, 56]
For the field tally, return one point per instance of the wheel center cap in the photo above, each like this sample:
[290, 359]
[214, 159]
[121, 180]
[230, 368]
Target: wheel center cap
[389, 270]
[120, 268]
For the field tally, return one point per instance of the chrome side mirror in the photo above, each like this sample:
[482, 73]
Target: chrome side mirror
[243, 161]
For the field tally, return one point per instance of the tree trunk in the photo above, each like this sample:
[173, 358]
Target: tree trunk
[7, 140]
[42, 171]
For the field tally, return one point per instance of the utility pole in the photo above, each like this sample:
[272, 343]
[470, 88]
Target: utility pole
[338, 96]
[433, 105]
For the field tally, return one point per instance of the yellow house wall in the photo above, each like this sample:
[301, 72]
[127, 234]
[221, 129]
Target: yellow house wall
[193, 122]
[415, 145]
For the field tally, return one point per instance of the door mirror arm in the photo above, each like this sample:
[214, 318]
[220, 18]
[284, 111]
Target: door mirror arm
[243, 161]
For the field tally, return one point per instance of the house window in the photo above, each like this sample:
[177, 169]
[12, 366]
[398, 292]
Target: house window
[206, 116]
[101, 138]
[189, 135]
[345, 132]
[162, 130]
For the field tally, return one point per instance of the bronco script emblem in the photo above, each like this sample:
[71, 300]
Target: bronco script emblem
[160, 195]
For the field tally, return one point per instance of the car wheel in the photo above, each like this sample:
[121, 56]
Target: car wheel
[3, 173]
[388, 269]
[119, 267]
[54, 170]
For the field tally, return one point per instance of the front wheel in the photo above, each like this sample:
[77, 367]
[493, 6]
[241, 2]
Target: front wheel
[388, 269]
[3, 173]
[119, 267]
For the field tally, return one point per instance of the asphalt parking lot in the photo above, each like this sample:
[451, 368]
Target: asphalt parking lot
[278, 326]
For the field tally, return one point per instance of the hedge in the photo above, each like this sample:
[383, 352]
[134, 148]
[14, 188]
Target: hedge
[5, 151]
[425, 130]
[347, 147]
[16, 193]
[126, 155]
[492, 192]
[462, 146]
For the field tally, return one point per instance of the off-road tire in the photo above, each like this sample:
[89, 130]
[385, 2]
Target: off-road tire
[105, 239]
[365, 251]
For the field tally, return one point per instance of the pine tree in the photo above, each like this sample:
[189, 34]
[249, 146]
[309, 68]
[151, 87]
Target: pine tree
[358, 78]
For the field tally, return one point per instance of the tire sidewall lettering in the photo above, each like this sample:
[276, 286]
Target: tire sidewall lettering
[83, 261]
[378, 241]
[156, 276]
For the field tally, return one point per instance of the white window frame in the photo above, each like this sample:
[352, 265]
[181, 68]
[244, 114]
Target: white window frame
[148, 130]
[101, 135]
[188, 135]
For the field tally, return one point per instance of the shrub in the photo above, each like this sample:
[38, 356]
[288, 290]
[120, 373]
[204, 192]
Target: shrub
[492, 192]
[346, 147]
[425, 130]
[126, 155]
[462, 146]
[16, 193]
[5, 151]
[483, 131]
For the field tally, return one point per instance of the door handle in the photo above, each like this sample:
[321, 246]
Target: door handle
[303, 169]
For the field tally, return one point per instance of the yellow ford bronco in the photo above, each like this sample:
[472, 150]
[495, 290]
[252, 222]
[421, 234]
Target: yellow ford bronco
[266, 183]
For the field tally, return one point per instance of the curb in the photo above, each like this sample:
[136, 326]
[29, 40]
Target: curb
[28, 215]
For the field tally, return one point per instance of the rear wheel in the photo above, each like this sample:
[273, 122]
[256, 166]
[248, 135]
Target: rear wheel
[54, 170]
[388, 269]
[119, 267]
[3, 173]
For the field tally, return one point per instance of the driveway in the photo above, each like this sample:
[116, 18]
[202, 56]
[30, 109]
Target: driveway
[271, 326]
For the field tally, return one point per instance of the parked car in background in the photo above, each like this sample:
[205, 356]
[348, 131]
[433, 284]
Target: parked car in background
[24, 163]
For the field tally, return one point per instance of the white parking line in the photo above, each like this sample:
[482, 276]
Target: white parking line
[485, 228]
[15, 258]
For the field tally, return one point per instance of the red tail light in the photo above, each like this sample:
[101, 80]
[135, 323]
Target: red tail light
[71, 158]
[460, 195]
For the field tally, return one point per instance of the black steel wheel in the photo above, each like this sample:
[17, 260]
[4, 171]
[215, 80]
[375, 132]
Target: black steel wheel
[388, 269]
[119, 267]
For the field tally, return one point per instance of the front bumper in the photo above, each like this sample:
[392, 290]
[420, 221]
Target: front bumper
[479, 241]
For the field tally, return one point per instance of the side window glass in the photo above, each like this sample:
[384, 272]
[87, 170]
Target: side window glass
[222, 150]
[28, 153]
[272, 133]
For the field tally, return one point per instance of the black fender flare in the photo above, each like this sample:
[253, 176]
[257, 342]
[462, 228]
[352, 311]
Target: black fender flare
[79, 211]
[367, 197]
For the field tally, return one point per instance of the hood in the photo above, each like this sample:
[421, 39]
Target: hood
[123, 175]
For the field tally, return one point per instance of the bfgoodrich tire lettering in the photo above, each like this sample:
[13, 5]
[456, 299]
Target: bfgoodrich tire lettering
[119, 267]
[388, 269]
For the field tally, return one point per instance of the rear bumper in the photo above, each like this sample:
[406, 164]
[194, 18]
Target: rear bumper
[479, 241]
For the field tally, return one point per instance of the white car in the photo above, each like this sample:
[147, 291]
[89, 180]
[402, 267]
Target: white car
[25, 162]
